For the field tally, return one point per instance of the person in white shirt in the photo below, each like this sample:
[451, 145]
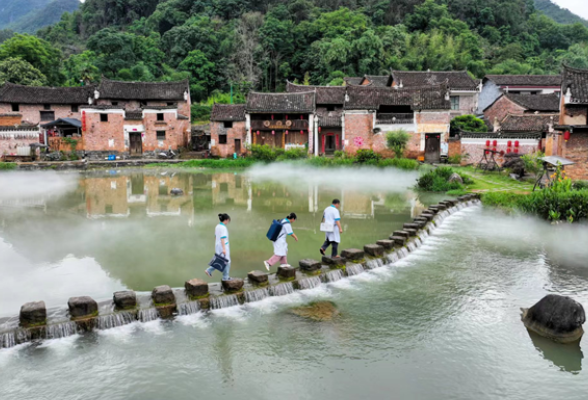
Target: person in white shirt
[332, 216]
[280, 245]
[221, 245]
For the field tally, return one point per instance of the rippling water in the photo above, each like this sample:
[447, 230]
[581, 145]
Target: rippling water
[442, 323]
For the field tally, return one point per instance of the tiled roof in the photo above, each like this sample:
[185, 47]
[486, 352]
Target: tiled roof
[228, 112]
[577, 81]
[500, 135]
[418, 98]
[167, 91]
[525, 80]
[379, 80]
[103, 107]
[458, 80]
[324, 94]
[536, 102]
[11, 93]
[330, 119]
[353, 80]
[301, 102]
[528, 122]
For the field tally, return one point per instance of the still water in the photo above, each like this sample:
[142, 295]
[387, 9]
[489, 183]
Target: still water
[443, 323]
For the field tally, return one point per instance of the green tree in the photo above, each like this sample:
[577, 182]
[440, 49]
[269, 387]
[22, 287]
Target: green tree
[397, 140]
[81, 68]
[468, 123]
[37, 52]
[202, 71]
[19, 71]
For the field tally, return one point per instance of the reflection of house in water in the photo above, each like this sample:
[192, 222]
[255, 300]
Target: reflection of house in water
[230, 189]
[123, 196]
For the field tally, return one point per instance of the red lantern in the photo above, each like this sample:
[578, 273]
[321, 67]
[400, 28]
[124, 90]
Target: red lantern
[286, 132]
[273, 132]
[516, 144]
[83, 121]
[494, 143]
[319, 129]
[258, 132]
[516, 151]
[509, 144]
[301, 116]
[508, 150]
[286, 116]
[302, 132]
[487, 143]
[567, 135]
[501, 152]
[272, 117]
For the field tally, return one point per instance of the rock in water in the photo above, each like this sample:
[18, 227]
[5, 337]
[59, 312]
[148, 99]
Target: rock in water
[556, 317]
[319, 311]
[455, 178]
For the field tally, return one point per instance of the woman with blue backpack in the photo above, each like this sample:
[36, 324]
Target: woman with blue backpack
[279, 239]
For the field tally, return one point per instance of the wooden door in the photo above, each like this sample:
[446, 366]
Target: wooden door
[238, 146]
[136, 144]
[433, 148]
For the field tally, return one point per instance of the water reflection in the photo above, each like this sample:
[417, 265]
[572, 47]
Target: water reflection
[567, 357]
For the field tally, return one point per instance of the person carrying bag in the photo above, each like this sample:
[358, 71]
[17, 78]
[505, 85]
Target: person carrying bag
[222, 252]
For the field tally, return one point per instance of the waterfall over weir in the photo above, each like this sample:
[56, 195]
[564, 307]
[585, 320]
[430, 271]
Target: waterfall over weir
[217, 302]
[282, 289]
[61, 330]
[189, 308]
[310, 282]
[114, 320]
[375, 263]
[354, 269]
[7, 340]
[148, 314]
[256, 295]
[334, 275]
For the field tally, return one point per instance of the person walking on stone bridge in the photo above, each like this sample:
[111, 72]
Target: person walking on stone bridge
[281, 245]
[221, 245]
[331, 225]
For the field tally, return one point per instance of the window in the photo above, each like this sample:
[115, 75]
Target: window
[143, 103]
[454, 102]
[222, 139]
[47, 115]
[330, 108]
[103, 117]
[169, 104]
[160, 135]
[228, 124]
[160, 116]
[114, 103]
[15, 107]
[74, 108]
[46, 106]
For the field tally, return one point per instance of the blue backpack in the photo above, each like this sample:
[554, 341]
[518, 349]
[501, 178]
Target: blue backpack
[274, 231]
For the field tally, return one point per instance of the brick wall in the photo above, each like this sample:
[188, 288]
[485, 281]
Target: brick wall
[31, 112]
[576, 149]
[175, 132]
[358, 132]
[236, 132]
[454, 147]
[474, 148]
[10, 119]
[105, 136]
[466, 105]
[501, 108]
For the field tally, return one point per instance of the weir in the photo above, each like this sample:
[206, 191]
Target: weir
[84, 314]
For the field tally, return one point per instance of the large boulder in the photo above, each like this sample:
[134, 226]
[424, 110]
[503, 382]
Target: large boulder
[455, 178]
[125, 299]
[163, 295]
[196, 288]
[556, 317]
[34, 313]
[83, 306]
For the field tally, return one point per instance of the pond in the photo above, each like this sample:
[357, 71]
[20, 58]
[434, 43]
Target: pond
[443, 322]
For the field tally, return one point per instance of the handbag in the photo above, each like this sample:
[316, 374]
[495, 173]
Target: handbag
[327, 226]
[218, 262]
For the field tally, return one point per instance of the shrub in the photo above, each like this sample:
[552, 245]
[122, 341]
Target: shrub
[293, 154]
[532, 163]
[580, 185]
[367, 156]
[339, 154]
[468, 123]
[397, 141]
[437, 180]
[6, 166]
[402, 163]
[457, 158]
[265, 153]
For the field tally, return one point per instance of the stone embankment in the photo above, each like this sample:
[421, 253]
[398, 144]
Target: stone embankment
[83, 314]
[89, 164]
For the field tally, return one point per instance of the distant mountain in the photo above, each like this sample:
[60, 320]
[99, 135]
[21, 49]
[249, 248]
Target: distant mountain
[558, 14]
[30, 15]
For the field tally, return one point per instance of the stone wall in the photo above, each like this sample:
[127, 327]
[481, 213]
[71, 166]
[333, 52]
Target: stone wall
[238, 131]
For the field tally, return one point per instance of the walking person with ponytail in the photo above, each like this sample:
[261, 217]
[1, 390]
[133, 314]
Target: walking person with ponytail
[221, 245]
[280, 244]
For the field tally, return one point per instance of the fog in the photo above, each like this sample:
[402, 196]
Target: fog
[23, 185]
[365, 178]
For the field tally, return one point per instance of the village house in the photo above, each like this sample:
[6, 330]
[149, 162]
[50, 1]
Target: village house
[571, 139]
[325, 119]
[493, 86]
[120, 119]
[520, 104]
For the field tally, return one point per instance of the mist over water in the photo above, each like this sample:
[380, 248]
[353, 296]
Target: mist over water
[441, 323]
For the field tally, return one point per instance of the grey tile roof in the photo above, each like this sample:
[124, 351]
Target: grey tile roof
[418, 98]
[379, 80]
[301, 102]
[324, 94]
[228, 112]
[330, 119]
[11, 93]
[353, 80]
[525, 80]
[536, 102]
[577, 81]
[457, 80]
[528, 122]
[120, 90]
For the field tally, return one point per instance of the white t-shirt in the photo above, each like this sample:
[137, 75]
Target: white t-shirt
[280, 245]
[332, 215]
[222, 233]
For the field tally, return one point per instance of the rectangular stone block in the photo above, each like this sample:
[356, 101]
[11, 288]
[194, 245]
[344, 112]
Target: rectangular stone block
[334, 262]
[410, 225]
[386, 243]
[258, 277]
[411, 231]
[234, 285]
[353, 254]
[420, 223]
[196, 288]
[398, 240]
[125, 299]
[433, 209]
[442, 207]
[286, 272]
[402, 233]
[309, 265]
[83, 306]
[34, 313]
[426, 215]
[374, 250]
[163, 295]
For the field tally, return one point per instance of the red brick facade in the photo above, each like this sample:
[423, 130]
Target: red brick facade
[228, 135]
[501, 108]
[576, 149]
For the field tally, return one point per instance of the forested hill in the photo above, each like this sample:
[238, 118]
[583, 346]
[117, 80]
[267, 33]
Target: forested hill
[31, 15]
[558, 14]
[260, 44]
